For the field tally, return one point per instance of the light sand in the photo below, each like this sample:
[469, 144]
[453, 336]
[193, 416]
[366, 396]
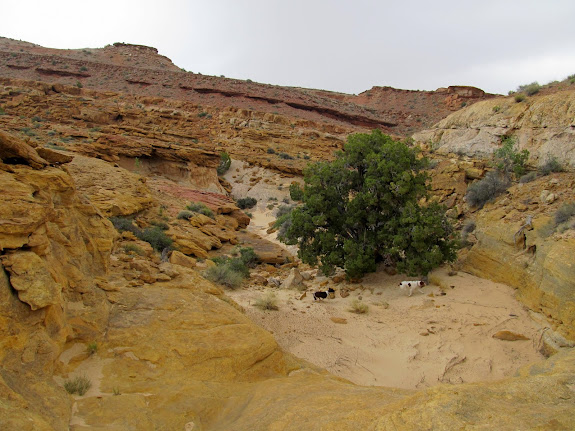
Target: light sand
[417, 342]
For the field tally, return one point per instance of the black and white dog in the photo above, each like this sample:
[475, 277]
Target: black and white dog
[322, 295]
[412, 285]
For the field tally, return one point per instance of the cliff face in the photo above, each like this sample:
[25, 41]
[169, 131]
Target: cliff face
[544, 125]
[54, 248]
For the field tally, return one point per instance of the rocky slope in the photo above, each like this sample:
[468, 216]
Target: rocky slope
[173, 352]
[139, 70]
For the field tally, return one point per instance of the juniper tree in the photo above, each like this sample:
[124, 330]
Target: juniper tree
[364, 206]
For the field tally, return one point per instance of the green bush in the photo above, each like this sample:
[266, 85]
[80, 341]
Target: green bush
[285, 156]
[224, 275]
[133, 248]
[225, 163]
[201, 208]
[156, 237]
[123, 224]
[508, 160]
[529, 89]
[160, 224]
[551, 165]
[271, 151]
[487, 189]
[519, 97]
[246, 203]
[185, 215]
[296, 192]
[248, 256]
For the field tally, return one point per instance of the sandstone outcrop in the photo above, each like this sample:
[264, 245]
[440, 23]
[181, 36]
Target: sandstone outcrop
[544, 125]
[535, 262]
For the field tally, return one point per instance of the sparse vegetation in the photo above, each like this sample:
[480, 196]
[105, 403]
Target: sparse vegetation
[200, 208]
[564, 213]
[231, 271]
[225, 163]
[519, 97]
[185, 215]
[267, 302]
[271, 151]
[527, 178]
[486, 189]
[246, 203]
[155, 236]
[358, 307]
[78, 385]
[92, 348]
[285, 156]
[224, 275]
[551, 165]
[529, 89]
[508, 160]
[133, 248]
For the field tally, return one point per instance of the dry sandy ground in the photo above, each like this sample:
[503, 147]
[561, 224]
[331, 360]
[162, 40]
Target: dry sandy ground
[416, 342]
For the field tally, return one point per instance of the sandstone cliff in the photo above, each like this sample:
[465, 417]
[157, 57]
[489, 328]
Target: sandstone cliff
[542, 124]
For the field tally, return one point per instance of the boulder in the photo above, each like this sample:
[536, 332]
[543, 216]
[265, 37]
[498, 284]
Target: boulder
[293, 280]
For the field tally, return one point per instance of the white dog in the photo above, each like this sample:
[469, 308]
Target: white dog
[412, 285]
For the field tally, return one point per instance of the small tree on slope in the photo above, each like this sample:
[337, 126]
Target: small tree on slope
[363, 206]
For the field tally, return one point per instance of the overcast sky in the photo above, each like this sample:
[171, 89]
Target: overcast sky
[340, 45]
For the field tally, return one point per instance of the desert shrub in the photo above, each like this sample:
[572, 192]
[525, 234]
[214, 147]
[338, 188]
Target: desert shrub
[201, 208]
[156, 237]
[519, 97]
[230, 272]
[358, 307]
[123, 224]
[551, 165]
[527, 178]
[160, 224]
[246, 203]
[496, 108]
[133, 248]
[202, 114]
[248, 256]
[271, 151]
[185, 215]
[224, 275]
[267, 302]
[225, 163]
[295, 192]
[546, 230]
[467, 228]
[508, 160]
[79, 385]
[564, 213]
[487, 189]
[285, 156]
[529, 89]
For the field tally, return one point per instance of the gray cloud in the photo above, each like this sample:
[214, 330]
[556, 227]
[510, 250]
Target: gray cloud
[330, 44]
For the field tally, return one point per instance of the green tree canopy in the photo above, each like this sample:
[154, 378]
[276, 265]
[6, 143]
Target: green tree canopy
[364, 206]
